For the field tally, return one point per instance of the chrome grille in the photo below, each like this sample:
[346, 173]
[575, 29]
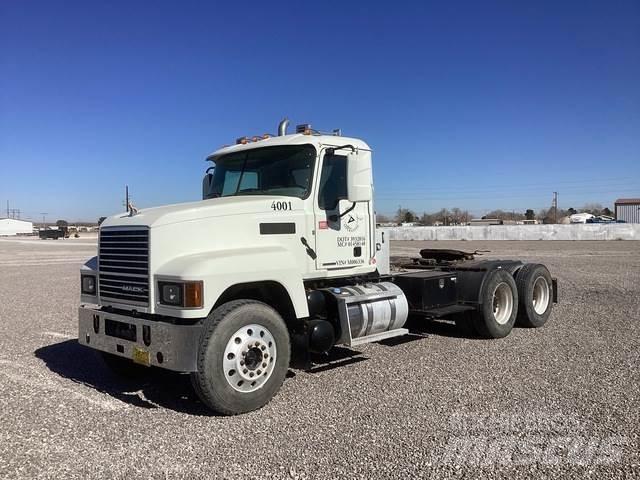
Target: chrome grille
[123, 264]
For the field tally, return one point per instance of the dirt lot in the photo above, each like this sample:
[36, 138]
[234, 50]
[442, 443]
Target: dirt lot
[561, 400]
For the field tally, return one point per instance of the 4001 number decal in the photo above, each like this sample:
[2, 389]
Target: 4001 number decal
[281, 206]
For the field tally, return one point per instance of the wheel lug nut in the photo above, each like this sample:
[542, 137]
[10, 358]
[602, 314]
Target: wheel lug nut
[266, 355]
[264, 365]
[245, 370]
[263, 348]
[241, 362]
[257, 344]
[251, 374]
[259, 372]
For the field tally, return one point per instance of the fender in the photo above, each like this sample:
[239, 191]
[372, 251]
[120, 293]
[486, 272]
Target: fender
[221, 269]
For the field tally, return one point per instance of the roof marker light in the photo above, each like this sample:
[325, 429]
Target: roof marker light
[304, 128]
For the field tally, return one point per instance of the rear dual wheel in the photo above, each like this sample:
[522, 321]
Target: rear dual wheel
[499, 307]
[535, 289]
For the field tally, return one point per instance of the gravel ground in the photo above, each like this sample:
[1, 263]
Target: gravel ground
[562, 400]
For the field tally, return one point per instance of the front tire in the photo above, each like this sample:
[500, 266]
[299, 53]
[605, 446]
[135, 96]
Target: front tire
[243, 357]
[499, 297]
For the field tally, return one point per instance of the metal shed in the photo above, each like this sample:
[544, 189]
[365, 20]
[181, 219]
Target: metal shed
[628, 210]
[13, 226]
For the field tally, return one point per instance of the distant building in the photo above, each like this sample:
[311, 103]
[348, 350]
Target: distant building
[628, 210]
[486, 221]
[12, 226]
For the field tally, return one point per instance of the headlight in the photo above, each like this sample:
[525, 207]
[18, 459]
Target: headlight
[180, 294]
[88, 284]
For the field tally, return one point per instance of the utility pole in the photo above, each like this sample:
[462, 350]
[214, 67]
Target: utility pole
[44, 214]
[7, 208]
[555, 207]
[126, 197]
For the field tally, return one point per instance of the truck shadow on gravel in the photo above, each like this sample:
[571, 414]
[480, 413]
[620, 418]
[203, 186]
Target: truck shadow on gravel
[159, 388]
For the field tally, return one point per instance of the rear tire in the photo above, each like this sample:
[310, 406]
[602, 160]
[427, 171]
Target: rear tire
[536, 295]
[243, 357]
[499, 307]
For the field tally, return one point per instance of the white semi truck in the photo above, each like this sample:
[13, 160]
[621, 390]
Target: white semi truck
[282, 246]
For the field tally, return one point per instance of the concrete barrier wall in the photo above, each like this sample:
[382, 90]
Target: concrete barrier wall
[614, 231]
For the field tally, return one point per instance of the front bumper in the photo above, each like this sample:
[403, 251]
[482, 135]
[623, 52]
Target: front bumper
[164, 345]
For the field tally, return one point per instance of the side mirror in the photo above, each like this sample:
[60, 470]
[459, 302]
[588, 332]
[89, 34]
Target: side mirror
[207, 181]
[359, 177]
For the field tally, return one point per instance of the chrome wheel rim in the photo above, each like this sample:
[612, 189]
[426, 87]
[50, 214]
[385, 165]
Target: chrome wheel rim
[541, 295]
[249, 358]
[502, 303]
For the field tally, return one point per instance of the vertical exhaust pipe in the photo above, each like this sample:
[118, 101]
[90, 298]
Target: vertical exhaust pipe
[282, 127]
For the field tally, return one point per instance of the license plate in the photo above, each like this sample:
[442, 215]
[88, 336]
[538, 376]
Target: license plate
[141, 356]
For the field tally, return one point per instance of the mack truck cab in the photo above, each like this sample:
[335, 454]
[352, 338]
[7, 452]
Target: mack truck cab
[282, 246]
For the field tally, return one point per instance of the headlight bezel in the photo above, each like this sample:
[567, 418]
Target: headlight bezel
[190, 296]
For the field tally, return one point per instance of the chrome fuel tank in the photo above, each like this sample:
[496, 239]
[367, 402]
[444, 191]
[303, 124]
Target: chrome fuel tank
[369, 311]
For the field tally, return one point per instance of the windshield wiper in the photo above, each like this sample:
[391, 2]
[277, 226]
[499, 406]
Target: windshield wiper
[244, 165]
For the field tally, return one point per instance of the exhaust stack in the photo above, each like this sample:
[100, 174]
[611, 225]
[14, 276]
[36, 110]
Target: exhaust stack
[282, 127]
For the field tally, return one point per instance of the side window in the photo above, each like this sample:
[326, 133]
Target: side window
[333, 181]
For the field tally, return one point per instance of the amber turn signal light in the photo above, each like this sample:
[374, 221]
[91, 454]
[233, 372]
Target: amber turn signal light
[193, 294]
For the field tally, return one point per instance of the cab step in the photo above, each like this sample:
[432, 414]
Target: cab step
[376, 337]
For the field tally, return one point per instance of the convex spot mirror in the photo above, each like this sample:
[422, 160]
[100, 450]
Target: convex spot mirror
[359, 177]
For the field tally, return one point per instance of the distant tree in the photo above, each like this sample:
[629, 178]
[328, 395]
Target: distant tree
[592, 208]
[503, 215]
[380, 218]
[530, 214]
[101, 219]
[571, 211]
[443, 216]
[545, 216]
[62, 223]
[606, 211]
[404, 215]
[456, 216]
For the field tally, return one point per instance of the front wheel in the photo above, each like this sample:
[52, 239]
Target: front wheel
[243, 357]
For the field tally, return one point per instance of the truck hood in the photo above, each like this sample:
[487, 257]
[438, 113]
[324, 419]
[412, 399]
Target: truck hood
[185, 212]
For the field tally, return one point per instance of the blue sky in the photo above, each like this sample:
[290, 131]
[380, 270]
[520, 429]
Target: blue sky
[479, 105]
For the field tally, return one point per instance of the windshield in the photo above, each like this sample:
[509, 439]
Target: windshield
[282, 170]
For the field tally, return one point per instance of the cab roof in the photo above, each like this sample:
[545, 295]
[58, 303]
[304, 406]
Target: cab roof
[294, 139]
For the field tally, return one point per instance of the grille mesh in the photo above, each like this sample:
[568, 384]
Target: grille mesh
[123, 263]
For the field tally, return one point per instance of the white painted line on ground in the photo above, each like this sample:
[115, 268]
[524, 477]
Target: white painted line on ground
[36, 263]
[58, 335]
[44, 383]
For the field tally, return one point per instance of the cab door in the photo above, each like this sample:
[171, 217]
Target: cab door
[342, 228]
